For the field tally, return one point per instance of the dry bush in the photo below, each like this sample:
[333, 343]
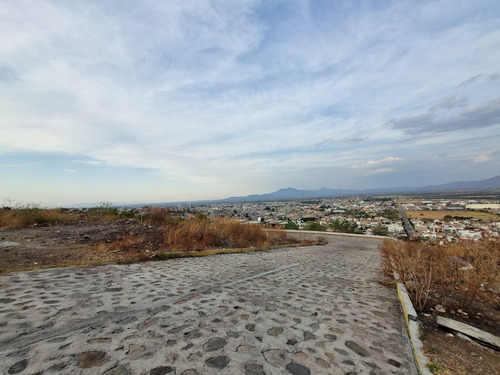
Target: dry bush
[199, 234]
[460, 273]
[24, 217]
[159, 216]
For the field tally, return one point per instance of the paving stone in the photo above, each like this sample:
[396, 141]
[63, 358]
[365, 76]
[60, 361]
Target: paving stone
[118, 370]
[217, 362]
[252, 368]
[214, 343]
[17, 367]
[135, 351]
[297, 369]
[356, 348]
[194, 357]
[163, 370]
[192, 334]
[394, 363]
[275, 331]
[309, 336]
[276, 357]
[93, 358]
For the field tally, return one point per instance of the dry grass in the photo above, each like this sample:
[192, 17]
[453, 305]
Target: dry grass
[460, 273]
[439, 215]
[24, 217]
[196, 234]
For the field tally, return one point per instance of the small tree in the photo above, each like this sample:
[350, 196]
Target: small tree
[291, 225]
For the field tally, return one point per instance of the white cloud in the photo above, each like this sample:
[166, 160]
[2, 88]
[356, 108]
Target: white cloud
[374, 163]
[481, 159]
[216, 91]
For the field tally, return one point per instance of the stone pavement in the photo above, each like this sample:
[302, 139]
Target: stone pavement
[308, 310]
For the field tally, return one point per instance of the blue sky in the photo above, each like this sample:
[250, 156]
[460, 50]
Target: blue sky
[154, 101]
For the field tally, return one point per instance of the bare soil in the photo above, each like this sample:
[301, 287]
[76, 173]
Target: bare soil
[80, 243]
[455, 355]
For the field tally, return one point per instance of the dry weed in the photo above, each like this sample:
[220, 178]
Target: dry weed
[460, 273]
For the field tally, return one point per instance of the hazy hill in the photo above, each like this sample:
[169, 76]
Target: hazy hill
[292, 193]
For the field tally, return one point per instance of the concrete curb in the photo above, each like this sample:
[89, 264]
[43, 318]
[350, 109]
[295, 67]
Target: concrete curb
[331, 233]
[413, 327]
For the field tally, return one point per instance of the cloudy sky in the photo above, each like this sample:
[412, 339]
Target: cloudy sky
[154, 101]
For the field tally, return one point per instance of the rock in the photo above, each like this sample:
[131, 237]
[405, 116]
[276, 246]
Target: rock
[193, 357]
[215, 343]
[217, 362]
[135, 351]
[309, 336]
[148, 323]
[275, 331]
[254, 369]
[192, 334]
[244, 349]
[17, 367]
[356, 348]
[163, 370]
[297, 369]
[322, 363]
[93, 358]
[250, 327]
[190, 372]
[463, 337]
[276, 357]
[314, 326]
[292, 342]
[393, 362]
[439, 309]
[118, 370]
[233, 334]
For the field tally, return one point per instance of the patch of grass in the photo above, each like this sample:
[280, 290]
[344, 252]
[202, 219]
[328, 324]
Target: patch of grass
[431, 350]
[434, 367]
[422, 335]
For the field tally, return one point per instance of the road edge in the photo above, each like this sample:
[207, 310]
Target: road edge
[413, 327]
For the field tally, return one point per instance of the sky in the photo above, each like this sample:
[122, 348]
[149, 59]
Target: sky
[163, 101]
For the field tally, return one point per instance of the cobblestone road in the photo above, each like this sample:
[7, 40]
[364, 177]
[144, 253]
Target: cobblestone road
[309, 310]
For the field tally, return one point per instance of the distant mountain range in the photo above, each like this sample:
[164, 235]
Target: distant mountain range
[292, 193]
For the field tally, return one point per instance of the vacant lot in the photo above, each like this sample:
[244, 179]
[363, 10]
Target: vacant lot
[439, 215]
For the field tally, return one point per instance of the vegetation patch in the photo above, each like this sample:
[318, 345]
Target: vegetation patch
[460, 281]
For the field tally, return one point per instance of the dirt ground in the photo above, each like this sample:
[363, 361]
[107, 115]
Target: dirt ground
[453, 355]
[439, 215]
[80, 243]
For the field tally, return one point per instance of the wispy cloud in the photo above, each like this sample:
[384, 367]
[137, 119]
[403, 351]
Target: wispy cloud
[481, 159]
[374, 163]
[228, 95]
